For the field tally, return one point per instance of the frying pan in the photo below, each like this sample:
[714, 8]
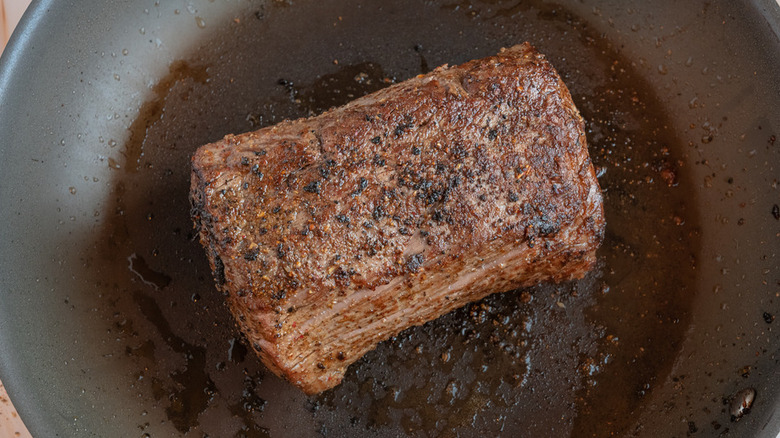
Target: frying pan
[109, 321]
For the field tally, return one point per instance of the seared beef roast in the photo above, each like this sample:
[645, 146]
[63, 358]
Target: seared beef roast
[330, 234]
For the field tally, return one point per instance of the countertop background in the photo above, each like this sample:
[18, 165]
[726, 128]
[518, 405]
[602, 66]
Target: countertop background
[10, 423]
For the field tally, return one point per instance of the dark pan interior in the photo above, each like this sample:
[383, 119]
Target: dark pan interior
[109, 320]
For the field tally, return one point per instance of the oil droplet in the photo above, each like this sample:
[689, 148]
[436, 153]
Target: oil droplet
[200, 22]
[142, 31]
[237, 351]
[113, 164]
[72, 190]
[662, 69]
[116, 76]
[152, 110]
[112, 143]
[741, 403]
[706, 138]
[138, 266]
[452, 390]
[124, 52]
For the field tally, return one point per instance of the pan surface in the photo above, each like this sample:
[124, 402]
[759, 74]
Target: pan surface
[109, 320]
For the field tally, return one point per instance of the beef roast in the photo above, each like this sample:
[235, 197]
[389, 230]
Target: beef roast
[330, 234]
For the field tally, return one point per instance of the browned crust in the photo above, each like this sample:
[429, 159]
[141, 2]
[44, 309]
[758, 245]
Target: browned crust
[333, 233]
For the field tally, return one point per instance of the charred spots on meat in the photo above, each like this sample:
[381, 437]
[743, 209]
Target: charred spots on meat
[458, 151]
[512, 197]
[401, 128]
[226, 240]
[545, 227]
[219, 270]
[378, 160]
[343, 278]
[440, 215]
[252, 254]
[410, 222]
[313, 187]
[279, 295]
[342, 218]
[378, 213]
[415, 262]
[361, 186]
[326, 167]
[373, 246]
[768, 317]
[280, 251]
[454, 182]
[776, 212]
[245, 161]
[376, 140]
[292, 180]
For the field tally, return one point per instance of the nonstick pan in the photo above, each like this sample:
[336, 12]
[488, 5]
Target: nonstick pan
[110, 324]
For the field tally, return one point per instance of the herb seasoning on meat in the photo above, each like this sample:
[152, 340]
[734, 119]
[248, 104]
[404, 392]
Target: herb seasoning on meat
[469, 180]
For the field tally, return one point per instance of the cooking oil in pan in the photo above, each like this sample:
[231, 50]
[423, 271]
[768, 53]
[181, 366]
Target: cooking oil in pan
[576, 359]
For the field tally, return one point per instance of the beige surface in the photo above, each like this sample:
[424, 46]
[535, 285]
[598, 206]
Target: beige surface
[11, 425]
[10, 13]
